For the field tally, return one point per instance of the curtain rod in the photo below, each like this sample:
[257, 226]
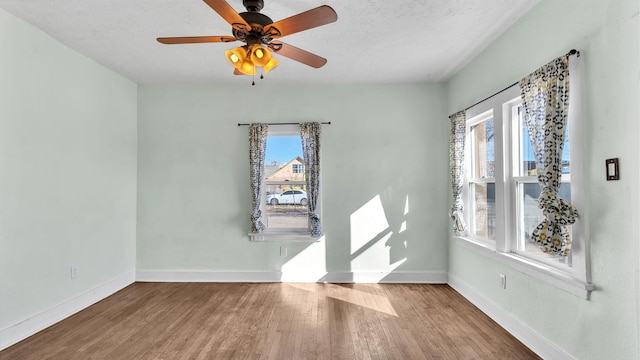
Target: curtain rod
[571, 52]
[289, 123]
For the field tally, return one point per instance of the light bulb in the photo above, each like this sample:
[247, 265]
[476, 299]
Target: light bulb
[260, 56]
[236, 56]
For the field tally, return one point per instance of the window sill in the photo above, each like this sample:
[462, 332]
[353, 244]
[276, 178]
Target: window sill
[283, 236]
[553, 276]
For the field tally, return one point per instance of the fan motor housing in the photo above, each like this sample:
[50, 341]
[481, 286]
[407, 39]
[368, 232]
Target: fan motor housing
[253, 5]
[256, 18]
[255, 36]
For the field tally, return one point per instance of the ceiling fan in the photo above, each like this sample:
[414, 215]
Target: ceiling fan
[260, 33]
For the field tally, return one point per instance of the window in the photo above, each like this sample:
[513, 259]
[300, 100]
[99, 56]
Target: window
[285, 201]
[501, 189]
[526, 189]
[481, 182]
[298, 168]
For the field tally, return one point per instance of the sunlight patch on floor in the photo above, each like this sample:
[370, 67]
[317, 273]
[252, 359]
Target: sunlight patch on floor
[361, 298]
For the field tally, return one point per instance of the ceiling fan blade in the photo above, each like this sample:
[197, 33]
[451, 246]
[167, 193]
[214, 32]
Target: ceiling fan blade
[237, 72]
[307, 20]
[195, 39]
[228, 14]
[297, 54]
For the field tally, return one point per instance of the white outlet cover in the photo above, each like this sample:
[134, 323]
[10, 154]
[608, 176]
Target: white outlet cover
[503, 281]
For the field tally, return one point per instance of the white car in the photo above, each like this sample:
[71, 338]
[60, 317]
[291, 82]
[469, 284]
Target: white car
[288, 197]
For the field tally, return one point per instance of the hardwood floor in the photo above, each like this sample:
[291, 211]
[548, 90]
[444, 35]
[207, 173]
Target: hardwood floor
[275, 321]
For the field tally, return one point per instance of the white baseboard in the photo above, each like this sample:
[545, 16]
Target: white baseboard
[39, 322]
[399, 277]
[409, 277]
[534, 341]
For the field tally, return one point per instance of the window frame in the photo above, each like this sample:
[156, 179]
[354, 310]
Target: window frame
[286, 234]
[575, 279]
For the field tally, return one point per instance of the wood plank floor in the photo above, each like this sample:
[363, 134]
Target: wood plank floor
[275, 321]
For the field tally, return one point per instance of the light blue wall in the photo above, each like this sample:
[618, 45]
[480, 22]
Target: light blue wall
[606, 32]
[67, 172]
[386, 141]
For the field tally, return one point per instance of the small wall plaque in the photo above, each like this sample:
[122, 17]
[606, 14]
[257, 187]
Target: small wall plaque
[613, 172]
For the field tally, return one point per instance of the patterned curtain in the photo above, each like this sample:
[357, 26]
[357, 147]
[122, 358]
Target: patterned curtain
[257, 150]
[546, 103]
[310, 133]
[456, 165]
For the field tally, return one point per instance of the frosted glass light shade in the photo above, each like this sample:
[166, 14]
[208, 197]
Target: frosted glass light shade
[236, 56]
[260, 56]
[247, 67]
[270, 65]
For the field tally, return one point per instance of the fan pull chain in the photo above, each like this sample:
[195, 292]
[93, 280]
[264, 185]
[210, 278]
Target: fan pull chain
[253, 82]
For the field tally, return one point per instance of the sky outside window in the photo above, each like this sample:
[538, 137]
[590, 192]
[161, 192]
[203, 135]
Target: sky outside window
[282, 149]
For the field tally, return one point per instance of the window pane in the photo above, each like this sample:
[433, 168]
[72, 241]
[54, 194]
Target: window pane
[483, 215]
[530, 216]
[283, 159]
[526, 155]
[286, 203]
[482, 142]
[286, 209]
[566, 153]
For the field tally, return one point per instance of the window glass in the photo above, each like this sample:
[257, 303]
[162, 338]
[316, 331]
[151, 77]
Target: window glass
[525, 151]
[286, 200]
[484, 210]
[529, 215]
[483, 165]
[482, 182]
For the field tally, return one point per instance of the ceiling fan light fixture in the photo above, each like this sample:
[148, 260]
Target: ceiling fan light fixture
[236, 56]
[247, 67]
[270, 65]
[260, 56]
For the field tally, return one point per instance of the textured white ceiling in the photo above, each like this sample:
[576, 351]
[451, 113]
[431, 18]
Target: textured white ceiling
[372, 41]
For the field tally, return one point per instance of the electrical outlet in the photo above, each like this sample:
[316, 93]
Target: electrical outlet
[74, 272]
[283, 251]
[503, 281]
